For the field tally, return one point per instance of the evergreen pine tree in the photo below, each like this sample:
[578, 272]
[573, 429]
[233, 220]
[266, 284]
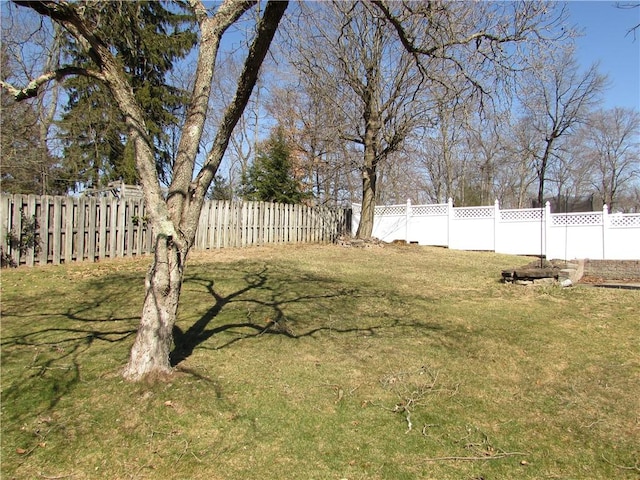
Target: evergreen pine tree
[270, 178]
[221, 189]
[148, 39]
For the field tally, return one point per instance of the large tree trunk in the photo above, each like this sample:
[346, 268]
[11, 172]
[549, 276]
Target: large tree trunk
[367, 216]
[369, 172]
[542, 169]
[150, 351]
[174, 218]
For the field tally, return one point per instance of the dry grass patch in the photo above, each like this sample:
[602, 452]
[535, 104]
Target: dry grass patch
[322, 362]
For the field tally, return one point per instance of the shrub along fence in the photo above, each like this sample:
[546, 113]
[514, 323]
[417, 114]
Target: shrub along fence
[36, 230]
[530, 231]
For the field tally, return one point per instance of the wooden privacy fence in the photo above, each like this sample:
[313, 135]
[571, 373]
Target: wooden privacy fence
[36, 230]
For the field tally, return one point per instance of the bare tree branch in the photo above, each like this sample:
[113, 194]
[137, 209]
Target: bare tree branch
[267, 27]
[628, 6]
[410, 45]
[212, 29]
[32, 88]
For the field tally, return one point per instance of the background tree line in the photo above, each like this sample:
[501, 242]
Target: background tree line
[80, 139]
[542, 134]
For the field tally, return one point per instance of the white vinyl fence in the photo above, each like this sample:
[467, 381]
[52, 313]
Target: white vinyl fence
[531, 231]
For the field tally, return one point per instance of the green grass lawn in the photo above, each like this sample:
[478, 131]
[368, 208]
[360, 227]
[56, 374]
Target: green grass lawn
[322, 362]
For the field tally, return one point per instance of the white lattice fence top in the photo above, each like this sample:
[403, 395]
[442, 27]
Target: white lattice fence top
[589, 218]
[391, 210]
[441, 209]
[473, 212]
[625, 220]
[523, 215]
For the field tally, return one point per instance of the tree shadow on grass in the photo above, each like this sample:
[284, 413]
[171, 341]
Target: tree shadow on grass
[48, 346]
[48, 334]
[187, 341]
[266, 292]
[67, 324]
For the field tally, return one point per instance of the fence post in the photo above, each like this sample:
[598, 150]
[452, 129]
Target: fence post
[546, 219]
[44, 225]
[113, 227]
[407, 220]
[449, 220]
[31, 217]
[5, 226]
[91, 233]
[605, 230]
[496, 221]
[58, 229]
[102, 230]
[69, 215]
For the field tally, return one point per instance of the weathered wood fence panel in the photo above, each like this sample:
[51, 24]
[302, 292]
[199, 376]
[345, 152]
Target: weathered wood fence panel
[36, 230]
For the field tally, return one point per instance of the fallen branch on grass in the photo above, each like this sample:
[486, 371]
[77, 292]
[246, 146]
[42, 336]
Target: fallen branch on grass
[635, 467]
[497, 456]
[412, 395]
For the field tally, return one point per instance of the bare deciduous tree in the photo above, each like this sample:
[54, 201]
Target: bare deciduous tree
[173, 218]
[351, 59]
[443, 153]
[486, 144]
[612, 149]
[317, 151]
[556, 98]
[29, 48]
[467, 49]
